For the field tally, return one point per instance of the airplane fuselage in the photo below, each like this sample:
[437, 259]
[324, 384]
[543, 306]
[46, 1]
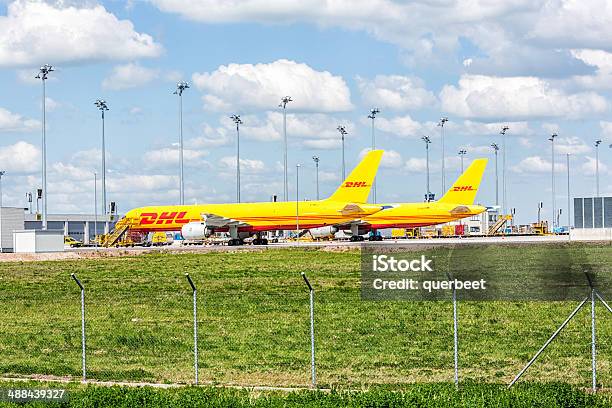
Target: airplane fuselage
[263, 216]
[412, 215]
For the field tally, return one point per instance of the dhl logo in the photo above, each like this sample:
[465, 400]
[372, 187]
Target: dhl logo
[355, 184]
[463, 188]
[163, 218]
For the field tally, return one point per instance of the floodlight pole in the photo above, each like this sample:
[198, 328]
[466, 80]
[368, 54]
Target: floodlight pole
[102, 106]
[42, 75]
[95, 210]
[78, 282]
[462, 153]
[195, 327]
[238, 122]
[427, 141]
[503, 133]
[455, 332]
[284, 101]
[316, 161]
[343, 133]
[495, 150]
[597, 143]
[569, 218]
[180, 87]
[372, 115]
[297, 202]
[441, 124]
[313, 370]
[554, 206]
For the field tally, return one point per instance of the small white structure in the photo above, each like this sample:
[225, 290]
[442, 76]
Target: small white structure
[11, 219]
[30, 241]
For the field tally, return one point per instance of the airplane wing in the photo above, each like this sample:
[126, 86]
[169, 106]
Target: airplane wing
[218, 221]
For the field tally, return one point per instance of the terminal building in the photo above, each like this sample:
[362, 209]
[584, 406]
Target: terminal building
[81, 227]
[592, 218]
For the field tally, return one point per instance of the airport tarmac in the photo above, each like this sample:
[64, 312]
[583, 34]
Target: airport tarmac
[92, 252]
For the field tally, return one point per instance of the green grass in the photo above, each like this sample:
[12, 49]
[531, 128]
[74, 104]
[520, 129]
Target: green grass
[254, 329]
[422, 395]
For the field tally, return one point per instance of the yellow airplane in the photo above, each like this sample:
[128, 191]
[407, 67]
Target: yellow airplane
[246, 219]
[457, 203]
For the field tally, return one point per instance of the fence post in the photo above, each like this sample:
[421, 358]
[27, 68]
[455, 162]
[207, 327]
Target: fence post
[195, 327]
[455, 332]
[78, 282]
[312, 332]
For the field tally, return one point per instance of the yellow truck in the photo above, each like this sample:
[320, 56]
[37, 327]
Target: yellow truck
[160, 238]
[71, 242]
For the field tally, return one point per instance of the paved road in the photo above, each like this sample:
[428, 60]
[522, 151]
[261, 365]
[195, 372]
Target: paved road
[339, 245]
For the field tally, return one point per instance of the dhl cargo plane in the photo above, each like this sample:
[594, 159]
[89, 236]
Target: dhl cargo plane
[457, 203]
[243, 220]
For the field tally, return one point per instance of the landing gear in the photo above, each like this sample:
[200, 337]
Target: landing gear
[235, 242]
[356, 238]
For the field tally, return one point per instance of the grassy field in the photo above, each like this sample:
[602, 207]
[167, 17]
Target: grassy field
[417, 395]
[253, 321]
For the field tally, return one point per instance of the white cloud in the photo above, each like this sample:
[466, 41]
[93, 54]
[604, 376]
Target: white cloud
[590, 166]
[313, 130]
[404, 126]
[395, 92]
[469, 127]
[606, 131]
[68, 171]
[602, 61]
[571, 145]
[212, 137]
[21, 157]
[261, 86]
[573, 23]
[327, 176]
[164, 157]
[478, 96]
[130, 75]
[128, 183]
[516, 37]
[51, 104]
[391, 159]
[536, 164]
[416, 165]
[246, 165]
[36, 32]
[13, 122]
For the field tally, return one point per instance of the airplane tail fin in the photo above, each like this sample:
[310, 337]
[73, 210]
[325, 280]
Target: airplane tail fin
[356, 187]
[465, 188]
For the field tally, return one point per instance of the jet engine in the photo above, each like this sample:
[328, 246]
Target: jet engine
[195, 230]
[323, 232]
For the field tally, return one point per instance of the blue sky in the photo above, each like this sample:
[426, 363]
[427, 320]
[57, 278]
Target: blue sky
[538, 66]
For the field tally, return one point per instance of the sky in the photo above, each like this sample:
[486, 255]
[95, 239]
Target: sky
[537, 66]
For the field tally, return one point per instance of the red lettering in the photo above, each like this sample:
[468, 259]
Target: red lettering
[148, 218]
